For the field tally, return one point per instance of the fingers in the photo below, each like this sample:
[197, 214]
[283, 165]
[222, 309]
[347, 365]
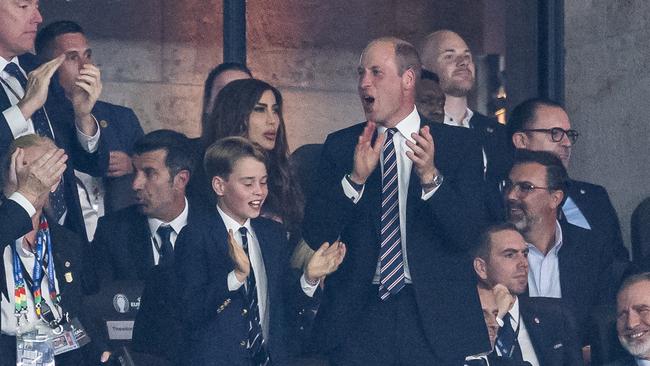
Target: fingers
[51, 66]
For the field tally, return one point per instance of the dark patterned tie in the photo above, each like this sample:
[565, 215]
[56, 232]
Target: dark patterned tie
[507, 340]
[166, 248]
[256, 343]
[41, 127]
[391, 267]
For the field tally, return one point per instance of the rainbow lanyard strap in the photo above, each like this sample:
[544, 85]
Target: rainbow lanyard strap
[43, 254]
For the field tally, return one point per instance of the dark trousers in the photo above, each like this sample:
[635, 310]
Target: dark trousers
[388, 333]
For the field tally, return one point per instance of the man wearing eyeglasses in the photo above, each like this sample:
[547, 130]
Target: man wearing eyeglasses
[565, 261]
[543, 125]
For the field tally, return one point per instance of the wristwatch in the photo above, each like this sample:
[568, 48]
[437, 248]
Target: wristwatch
[434, 183]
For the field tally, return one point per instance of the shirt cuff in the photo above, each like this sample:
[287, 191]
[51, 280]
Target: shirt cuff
[233, 282]
[426, 196]
[350, 192]
[308, 289]
[23, 202]
[89, 143]
[16, 121]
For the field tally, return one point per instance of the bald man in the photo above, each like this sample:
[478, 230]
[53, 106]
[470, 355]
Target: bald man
[445, 53]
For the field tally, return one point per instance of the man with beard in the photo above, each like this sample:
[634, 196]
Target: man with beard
[566, 261]
[445, 53]
[533, 330]
[633, 320]
[430, 97]
[138, 242]
[543, 125]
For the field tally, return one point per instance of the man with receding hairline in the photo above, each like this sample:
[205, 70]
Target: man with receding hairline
[446, 53]
[392, 189]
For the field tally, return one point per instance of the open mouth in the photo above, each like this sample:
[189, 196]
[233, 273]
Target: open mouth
[256, 204]
[636, 335]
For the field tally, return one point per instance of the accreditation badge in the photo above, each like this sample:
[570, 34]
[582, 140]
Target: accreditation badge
[34, 348]
[72, 336]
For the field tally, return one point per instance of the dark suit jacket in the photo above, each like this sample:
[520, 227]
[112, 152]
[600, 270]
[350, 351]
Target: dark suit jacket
[585, 272]
[215, 326]
[68, 258]
[438, 231]
[552, 330]
[626, 361]
[61, 117]
[498, 148]
[594, 203]
[14, 221]
[122, 251]
[120, 130]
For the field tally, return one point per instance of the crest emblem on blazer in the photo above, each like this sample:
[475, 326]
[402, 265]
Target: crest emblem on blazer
[121, 303]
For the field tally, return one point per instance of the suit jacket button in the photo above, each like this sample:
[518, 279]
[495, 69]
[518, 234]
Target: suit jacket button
[244, 312]
[242, 343]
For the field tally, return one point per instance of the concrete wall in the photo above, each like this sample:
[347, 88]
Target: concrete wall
[607, 88]
[155, 54]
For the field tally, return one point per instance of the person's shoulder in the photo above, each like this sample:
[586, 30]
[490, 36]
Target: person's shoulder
[127, 214]
[29, 62]
[346, 133]
[480, 120]
[268, 225]
[110, 110]
[586, 188]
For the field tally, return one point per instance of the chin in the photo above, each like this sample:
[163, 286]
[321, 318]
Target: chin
[637, 348]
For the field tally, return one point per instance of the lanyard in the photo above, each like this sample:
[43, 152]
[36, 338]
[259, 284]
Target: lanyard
[43, 254]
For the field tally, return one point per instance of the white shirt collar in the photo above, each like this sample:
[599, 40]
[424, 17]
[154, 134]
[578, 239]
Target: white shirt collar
[3, 64]
[558, 241]
[232, 224]
[464, 123]
[642, 362]
[514, 311]
[407, 126]
[177, 224]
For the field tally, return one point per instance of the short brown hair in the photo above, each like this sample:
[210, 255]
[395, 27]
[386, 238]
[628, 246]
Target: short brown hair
[221, 157]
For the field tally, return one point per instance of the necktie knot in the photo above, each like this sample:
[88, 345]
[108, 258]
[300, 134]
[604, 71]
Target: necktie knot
[166, 249]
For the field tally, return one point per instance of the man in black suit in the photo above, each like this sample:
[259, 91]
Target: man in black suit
[445, 53]
[62, 256]
[536, 330]
[543, 125]
[119, 126]
[34, 104]
[633, 320]
[431, 215]
[137, 242]
[566, 261]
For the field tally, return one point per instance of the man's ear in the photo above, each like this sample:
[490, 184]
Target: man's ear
[520, 140]
[218, 185]
[409, 79]
[557, 197]
[182, 178]
[480, 267]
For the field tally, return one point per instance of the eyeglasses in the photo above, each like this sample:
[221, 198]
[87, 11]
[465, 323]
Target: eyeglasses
[558, 133]
[522, 188]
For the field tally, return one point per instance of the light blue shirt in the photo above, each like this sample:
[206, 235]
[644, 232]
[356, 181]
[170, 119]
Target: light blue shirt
[573, 214]
[544, 270]
[641, 362]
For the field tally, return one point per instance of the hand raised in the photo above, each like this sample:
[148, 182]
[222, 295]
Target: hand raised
[239, 258]
[38, 83]
[325, 260]
[504, 299]
[422, 154]
[88, 87]
[366, 154]
[119, 164]
[37, 179]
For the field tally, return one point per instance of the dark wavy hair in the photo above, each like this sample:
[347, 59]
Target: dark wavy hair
[232, 109]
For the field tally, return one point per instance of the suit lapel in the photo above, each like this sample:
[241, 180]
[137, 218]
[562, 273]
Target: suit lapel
[142, 246]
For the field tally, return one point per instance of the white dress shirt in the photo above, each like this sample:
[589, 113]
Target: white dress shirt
[20, 126]
[641, 362]
[523, 338]
[8, 305]
[462, 123]
[177, 225]
[407, 126]
[544, 270]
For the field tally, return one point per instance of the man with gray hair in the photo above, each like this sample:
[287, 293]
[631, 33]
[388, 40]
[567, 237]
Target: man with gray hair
[633, 320]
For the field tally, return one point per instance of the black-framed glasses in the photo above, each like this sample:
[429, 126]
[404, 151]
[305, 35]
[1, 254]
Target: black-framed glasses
[522, 188]
[557, 133]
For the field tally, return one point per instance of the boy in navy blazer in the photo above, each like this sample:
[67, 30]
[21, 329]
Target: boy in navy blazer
[235, 291]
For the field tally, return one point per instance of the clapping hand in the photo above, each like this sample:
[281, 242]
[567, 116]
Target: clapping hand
[422, 154]
[325, 261]
[239, 257]
[366, 154]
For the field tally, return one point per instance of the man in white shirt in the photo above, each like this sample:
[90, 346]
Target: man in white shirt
[566, 261]
[535, 330]
[31, 103]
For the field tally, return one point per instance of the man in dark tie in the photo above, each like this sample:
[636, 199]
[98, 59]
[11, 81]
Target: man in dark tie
[31, 103]
[394, 191]
[137, 242]
[534, 330]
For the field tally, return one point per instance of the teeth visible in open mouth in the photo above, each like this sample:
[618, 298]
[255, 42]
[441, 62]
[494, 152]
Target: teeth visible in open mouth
[637, 335]
[255, 203]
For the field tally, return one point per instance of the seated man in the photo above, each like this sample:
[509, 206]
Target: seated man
[137, 242]
[566, 261]
[235, 297]
[41, 276]
[633, 322]
[535, 330]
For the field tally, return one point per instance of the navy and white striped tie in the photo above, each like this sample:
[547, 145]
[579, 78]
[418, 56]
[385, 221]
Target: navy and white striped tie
[391, 266]
[256, 342]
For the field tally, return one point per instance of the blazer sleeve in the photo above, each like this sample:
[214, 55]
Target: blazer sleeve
[14, 221]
